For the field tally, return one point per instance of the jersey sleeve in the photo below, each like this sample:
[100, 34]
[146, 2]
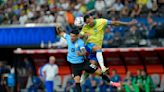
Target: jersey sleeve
[83, 30]
[104, 22]
[67, 37]
[44, 68]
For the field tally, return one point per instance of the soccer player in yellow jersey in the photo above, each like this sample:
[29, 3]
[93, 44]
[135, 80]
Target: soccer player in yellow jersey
[94, 29]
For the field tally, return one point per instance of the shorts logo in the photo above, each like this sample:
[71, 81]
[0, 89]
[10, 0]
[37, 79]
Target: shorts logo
[93, 66]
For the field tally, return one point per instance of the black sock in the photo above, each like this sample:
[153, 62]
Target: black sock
[105, 77]
[78, 87]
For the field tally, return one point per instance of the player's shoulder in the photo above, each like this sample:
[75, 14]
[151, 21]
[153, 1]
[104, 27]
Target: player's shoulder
[100, 19]
[85, 26]
[80, 40]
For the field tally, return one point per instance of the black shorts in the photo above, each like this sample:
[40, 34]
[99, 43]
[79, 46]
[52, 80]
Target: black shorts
[86, 66]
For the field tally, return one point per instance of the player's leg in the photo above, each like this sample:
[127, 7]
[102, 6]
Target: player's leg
[99, 56]
[91, 68]
[92, 60]
[77, 71]
[106, 78]
[77, 81]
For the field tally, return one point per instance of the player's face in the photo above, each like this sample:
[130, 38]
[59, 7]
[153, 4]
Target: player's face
[74, 37]
[52, 60]
[90, 21]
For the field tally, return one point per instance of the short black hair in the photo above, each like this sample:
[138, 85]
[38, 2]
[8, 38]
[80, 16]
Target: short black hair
[86, 17]
[75, 31]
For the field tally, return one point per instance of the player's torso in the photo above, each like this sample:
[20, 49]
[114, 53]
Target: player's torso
[96, 34]
[73, 48]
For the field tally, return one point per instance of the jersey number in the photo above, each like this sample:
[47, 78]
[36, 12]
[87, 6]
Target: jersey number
[73, 49]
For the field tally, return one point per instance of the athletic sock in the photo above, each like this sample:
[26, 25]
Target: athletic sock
[100, 59]
[105, 77]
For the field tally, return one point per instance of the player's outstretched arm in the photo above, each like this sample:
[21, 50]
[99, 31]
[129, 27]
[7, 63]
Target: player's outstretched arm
[60, 31]
[133, 22]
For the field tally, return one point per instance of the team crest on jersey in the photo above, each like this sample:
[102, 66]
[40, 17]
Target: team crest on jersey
[95, 30]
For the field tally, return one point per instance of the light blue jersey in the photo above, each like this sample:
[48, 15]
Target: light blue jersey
[73, 48]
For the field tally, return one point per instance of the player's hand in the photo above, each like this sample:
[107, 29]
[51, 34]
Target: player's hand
[133, 22]
[79, 53]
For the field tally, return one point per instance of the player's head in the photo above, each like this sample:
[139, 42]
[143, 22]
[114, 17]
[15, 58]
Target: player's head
[74, 35]
[89, 20]
[52, 59]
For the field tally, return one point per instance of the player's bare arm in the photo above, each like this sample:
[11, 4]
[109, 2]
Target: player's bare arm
[133, 22]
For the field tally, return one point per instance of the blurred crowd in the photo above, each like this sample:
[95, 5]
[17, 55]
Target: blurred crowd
[64, 11]
[145, 33]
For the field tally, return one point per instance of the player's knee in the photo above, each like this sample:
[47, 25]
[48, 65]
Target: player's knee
[93, 62]
[77, 79]
[98, 71]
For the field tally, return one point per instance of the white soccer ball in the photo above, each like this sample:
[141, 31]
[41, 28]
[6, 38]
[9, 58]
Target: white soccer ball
[79, 21]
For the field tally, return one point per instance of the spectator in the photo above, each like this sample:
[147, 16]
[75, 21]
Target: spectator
[148, 85]
[65, 4]
[118, 6]
[90, 4]
[14, 20]
[33, 82]
[49, 71]
[3, 71]
[132, 37]
[91, 84]
[141, 2]
[69, 17]
[77, 12]
[99, 5]
[109, 3]
[137, 81]
[23, 18]
[70, 86]
[60, 18]
[11, 79]
[128, 82]
[136, 10]
[48, 18]
[108, 37]
[117, 40]
[151, 28]
[115, 78]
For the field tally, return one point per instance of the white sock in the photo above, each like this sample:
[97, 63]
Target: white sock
[100, 59]
[84, 77]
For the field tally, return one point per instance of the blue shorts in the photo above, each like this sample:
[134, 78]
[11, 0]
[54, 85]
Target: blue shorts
[49, 86]
[92, 55]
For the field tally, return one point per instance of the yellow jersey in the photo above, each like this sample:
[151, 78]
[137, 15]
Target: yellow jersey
[96, 32]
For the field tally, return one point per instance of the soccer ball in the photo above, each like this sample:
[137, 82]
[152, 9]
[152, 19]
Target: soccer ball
[79, 21]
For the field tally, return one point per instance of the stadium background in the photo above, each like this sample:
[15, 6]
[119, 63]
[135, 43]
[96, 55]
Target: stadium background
[30, 25]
